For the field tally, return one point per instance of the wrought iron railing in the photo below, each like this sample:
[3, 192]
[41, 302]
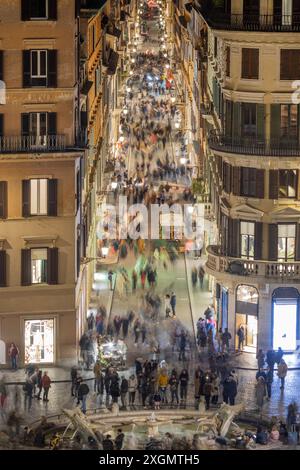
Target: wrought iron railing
[39, 144]
[244, 22]
[284, 147]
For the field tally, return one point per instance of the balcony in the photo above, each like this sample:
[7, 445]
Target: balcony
[271, 270]
[40, 144]
[254, 146]
[264, 23]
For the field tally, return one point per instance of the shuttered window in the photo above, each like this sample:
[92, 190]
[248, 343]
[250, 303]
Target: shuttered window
[250, 63]
[290, 64]
[39, 197]
[2, 268]
[227, 177]
[3, 199]
[39, 266]
[247, 232]
[252, 182]
[38, 10]
[40, 68]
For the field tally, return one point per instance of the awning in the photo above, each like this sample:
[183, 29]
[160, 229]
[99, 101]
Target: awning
[182, 21]
[113, 31]
[112, 62]
[86, 87]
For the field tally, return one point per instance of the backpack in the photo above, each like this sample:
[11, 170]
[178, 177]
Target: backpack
[84, 389]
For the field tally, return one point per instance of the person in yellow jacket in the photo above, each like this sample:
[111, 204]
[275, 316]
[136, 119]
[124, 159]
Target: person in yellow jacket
[163, 381]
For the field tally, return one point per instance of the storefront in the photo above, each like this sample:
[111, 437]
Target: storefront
[39, 345]
[285, 318]
[246, 315]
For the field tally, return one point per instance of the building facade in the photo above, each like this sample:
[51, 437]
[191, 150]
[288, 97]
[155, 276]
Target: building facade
[40, 152]
[250, 116]
[106, 32]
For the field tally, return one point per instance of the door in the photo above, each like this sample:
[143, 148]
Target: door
[284, 324]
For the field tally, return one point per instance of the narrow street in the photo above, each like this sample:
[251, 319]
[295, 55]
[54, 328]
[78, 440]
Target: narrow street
[155, 157]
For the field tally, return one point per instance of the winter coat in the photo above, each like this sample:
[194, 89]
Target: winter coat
[282, 369]
[114, 389]
[163, 380]
[83, 390]
[230, 387]
[184, 378]
[46, 381]
[207, 389]
[132, 384]
[260, 392]
[124, 386]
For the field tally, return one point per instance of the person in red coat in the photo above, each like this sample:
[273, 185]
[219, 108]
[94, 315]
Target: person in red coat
[46, 383]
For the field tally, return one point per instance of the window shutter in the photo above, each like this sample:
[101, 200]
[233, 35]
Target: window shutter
[52, 266]
[52, 68]
[275, 122]
[25, 124]
[52, 126]
[258, 240]
[297, 254]
[25, 10]
[237, 119]
[26, 69]
[234, 238]
[260, 184]
[260, 122]
[52, 10]
[1, 125]
[25, 198]
[25, 267]
[3, 199]
[236, 186]
[273, 242]
[273, 184]
[1, 65]
[52, 197]
[2, 268]
[277, 8]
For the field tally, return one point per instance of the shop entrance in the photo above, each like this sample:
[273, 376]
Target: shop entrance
[284, 324]
[246, 315]
[249, 322]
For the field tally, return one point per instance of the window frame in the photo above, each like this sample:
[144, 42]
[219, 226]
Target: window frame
[38, 197]
[248, 236]
[250, 181]
[43, 282]
[38, 18]
[287, 185]
[286, 258]
[249, 61]
[38, 52]
[286, 67]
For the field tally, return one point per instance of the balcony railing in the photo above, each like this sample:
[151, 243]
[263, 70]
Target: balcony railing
[254, 146]
[283, 271]
[272, 23]
[39, 144]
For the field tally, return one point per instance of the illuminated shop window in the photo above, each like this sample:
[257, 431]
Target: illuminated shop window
[39, 341]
